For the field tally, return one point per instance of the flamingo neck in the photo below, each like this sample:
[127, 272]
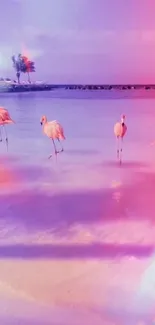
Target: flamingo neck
[44, 122]
[122, 121]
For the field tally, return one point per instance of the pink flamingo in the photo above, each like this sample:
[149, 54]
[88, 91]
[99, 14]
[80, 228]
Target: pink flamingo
[4, 119]
[120, 129]
[54, 131]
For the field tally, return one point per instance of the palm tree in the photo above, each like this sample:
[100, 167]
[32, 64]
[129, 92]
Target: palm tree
[27, 66]
[17, 64]
[23, 64]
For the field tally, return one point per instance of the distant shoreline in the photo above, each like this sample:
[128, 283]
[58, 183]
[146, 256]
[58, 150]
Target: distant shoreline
[18, 88]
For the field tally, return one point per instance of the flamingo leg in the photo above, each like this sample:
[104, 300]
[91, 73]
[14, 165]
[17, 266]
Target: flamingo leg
[62, 149]
[0, 134]
[121, 150]
[117, 145]
[55, 149]
[6, 137]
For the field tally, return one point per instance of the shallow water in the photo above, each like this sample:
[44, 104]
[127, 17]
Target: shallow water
[86, 221]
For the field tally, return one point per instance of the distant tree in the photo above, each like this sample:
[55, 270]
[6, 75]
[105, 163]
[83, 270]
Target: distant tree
[27, 66]
[17, 64]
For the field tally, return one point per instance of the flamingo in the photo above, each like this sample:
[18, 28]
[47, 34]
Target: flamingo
[120, 129]
[54, 131]
[4, 119]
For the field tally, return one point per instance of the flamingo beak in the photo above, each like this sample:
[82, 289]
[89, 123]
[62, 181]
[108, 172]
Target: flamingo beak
[41, 123]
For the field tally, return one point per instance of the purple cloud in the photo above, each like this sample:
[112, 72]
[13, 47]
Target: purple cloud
[83, 41]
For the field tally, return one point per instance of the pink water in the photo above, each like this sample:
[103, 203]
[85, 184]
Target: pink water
[77, 236]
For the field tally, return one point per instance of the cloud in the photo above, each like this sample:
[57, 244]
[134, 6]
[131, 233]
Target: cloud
[80, 38]
[148, 36]
[84, 42]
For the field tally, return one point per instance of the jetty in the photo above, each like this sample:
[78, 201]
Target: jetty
[7, 85]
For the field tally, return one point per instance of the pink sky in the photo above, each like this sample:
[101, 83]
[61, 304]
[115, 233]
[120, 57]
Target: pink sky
[81, 41]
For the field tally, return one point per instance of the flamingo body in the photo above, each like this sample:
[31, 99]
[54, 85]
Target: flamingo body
[120, 129]
[5, 117]
[4, 120]
[53, 130]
